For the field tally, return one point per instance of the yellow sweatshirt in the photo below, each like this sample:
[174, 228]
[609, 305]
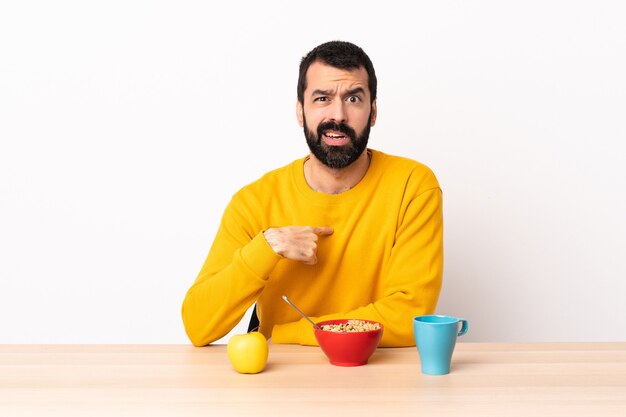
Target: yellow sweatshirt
[383, 262]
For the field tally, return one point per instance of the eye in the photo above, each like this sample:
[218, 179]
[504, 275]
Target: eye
[321, 99]
[353, 99]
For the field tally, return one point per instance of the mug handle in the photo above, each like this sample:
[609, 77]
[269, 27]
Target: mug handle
[464, 327]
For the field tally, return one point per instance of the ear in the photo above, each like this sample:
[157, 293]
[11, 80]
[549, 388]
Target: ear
[300, 113]
[374, 113]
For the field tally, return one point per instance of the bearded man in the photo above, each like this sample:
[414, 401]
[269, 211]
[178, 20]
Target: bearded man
[345, 232]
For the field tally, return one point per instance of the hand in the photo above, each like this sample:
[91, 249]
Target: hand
[298, 243]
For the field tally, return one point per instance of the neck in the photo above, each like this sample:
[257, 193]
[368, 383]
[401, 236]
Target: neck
[335, 180]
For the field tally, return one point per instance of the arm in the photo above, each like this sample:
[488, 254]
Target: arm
[232, 277]
[237, 268]
[411, 286]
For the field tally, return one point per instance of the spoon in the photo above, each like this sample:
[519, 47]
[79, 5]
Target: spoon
[301, 313]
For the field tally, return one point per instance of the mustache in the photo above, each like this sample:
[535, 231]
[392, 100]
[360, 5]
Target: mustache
[338, 127]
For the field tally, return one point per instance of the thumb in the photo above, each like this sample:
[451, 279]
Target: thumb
[323, 231]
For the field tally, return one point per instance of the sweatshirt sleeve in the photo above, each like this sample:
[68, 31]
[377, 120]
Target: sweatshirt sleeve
[232, 277]
[412, 282]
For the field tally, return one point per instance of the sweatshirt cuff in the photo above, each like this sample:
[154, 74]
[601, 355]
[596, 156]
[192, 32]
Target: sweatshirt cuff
[297, 332]
[259, 256]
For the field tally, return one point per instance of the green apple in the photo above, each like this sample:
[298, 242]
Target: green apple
[248, 352]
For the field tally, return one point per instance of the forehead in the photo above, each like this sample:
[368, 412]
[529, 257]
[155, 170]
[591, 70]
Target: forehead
[320, 76]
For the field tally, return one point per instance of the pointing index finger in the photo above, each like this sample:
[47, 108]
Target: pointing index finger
[323, 231]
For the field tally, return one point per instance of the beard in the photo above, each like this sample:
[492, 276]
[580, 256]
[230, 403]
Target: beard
[337, 156]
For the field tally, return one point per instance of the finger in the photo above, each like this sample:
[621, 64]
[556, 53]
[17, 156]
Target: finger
[323, 231]
[311, 261]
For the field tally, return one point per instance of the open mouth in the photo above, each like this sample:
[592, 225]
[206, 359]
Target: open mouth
[333, 137]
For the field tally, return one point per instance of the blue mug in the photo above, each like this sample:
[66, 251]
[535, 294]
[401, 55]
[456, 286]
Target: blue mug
[435, 337]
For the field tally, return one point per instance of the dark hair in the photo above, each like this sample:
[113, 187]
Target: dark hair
[338, 54]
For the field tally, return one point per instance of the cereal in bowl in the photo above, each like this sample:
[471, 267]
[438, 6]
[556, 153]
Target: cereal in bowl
[351, 326]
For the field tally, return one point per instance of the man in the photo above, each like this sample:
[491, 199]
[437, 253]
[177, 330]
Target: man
[347, 232]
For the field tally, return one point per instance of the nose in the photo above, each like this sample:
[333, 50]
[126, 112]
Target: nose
[337, 112]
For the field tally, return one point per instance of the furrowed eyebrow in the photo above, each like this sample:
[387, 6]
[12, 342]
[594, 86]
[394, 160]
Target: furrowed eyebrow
[322, 93]
[355, 91]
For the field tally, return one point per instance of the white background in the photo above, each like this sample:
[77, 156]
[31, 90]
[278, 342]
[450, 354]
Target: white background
[126, 126]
